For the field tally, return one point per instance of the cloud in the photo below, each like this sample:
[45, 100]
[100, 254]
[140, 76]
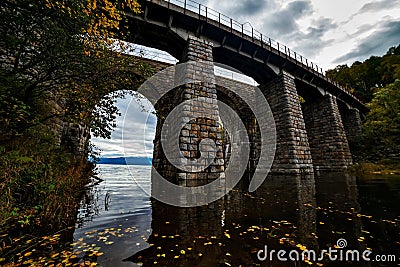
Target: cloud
[375, 44]
[251, 7]
[134, 133]
[374, 7]
[377, 6]
[311, 41]
[284, 21]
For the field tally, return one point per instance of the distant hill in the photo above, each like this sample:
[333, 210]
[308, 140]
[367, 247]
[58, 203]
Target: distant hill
[126, 161]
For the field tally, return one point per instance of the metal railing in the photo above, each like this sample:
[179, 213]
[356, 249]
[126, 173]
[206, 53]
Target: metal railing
[245, 30]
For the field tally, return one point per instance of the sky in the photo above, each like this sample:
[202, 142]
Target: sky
[328, 32]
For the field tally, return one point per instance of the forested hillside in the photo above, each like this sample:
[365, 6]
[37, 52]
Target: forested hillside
[376, 81]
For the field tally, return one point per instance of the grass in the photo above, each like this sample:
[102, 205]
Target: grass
[40, 189]
[385, 166]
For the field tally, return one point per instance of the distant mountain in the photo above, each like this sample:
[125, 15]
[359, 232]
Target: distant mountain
[126, 161]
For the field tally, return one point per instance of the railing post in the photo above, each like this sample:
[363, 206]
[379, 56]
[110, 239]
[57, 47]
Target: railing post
[279, 51]
[270, 42]
[206, 13]
[252, 34]
[199, 11]
[231, 25]
[261, 40]
[219, 19]
[242, 30]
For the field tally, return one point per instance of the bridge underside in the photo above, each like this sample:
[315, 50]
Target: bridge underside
[312, 131]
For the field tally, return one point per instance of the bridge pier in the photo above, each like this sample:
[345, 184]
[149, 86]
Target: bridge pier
[199, 117]
[352, 124]
[326, 133]
[293, 155]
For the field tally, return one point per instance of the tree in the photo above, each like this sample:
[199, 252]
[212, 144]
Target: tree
[61, 50]
[365, 77]
[382, 124]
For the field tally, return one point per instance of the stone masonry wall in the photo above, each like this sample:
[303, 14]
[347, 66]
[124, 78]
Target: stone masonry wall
[204, 96]
[352, 124]
[292, 150]
[227, 89]
[328, 142]
[75, 138]
[199, 118]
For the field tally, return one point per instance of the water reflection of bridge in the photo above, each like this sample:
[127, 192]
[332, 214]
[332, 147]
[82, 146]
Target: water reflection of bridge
[284, 213]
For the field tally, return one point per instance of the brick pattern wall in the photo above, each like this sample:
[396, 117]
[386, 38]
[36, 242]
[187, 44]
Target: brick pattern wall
[326, 133]
[199, 118]
[293, 153]
[352, 124]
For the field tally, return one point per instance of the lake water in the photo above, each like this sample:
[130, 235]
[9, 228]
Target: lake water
[118, 218]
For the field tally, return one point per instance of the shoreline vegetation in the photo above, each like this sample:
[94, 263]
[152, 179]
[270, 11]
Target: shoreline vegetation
[382, 168]
[57, 69]
[41, 189]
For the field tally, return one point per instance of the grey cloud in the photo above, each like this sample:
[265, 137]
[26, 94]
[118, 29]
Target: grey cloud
[375, 44]
[283, 21]
[311, 42]
[374, 7]
[378, 5]
[251, 7]
[360, 30]
[130, 136]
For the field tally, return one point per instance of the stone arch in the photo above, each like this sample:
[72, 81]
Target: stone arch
[229, 97]
[75, 137]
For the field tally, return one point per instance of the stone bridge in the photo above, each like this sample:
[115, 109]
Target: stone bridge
[315, 119]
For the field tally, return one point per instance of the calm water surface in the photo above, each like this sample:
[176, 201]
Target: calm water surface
[288, 213]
